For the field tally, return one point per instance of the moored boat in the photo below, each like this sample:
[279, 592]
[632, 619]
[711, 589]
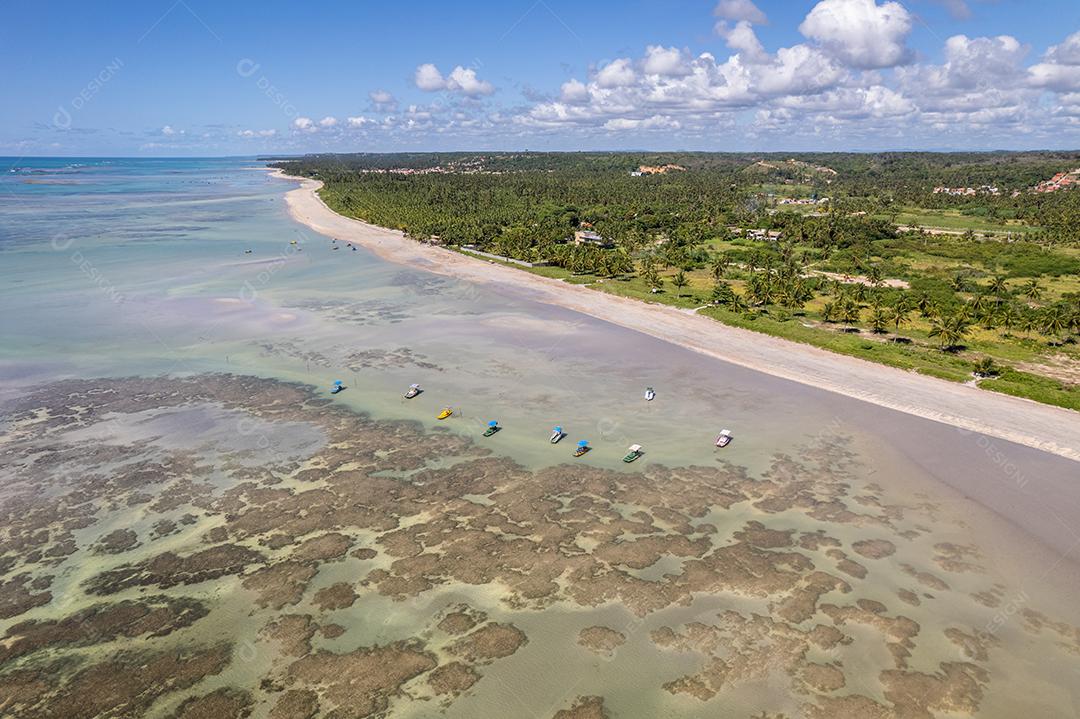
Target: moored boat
[557, 434]
[633, 453]
[582, 448]
[492, 428]
[414, 389]
[724, 438]
[336, 387]
[650, 394]
[446, 412]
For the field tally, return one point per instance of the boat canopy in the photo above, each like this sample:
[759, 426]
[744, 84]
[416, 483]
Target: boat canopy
[725, 432]
[493, 423]
[635, 448]
[583, 443]
[337, 381]
[414, 386]
[558, 428]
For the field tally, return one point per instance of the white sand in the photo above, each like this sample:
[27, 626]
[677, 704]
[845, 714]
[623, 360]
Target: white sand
[1047, 428]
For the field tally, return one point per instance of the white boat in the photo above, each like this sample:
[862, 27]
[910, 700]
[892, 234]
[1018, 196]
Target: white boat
[725, 438]
[557, 434]
[649, 394]
[414, 389]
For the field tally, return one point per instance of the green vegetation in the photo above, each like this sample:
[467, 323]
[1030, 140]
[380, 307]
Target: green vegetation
[995, 300]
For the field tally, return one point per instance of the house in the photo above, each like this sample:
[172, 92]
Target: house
[590, 237]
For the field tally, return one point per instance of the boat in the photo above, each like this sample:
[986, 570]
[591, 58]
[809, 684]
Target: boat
[336, 387]
[724, 439]
[292, 242]
[446, 412]
[582, 448]
[650, 393]
[557, 434]
[633, 453]
[492, 428]
[414, 389]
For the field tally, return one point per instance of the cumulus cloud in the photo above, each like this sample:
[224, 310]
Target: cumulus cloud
[328, 121]
[304, 124]
[257, 133]
[743, 40]
[463, 80]
[861, 33]
[360, 121]
[670, 61]
[1060, 68]
[170, 131]
[466, 81]
[740, 11]
[617, 73]
[383, 100]
[573, 92]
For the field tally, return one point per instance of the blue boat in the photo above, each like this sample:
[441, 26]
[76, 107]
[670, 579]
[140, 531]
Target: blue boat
[493, 427]
[557, 434]
[582, 448]
[337, 387]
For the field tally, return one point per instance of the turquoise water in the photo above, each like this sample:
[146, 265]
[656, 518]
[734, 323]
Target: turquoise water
[119, 267]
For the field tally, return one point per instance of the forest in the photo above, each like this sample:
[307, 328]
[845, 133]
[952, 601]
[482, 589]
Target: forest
[854, 252]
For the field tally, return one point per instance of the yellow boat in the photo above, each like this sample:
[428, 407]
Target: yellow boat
[446, 412]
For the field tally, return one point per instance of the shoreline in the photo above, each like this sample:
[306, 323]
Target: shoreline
[1043, 427]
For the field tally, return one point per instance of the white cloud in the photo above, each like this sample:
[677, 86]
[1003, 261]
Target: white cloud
[573, 92]
[860, 33]
[1060, 69]
[740, 11]
[656, 122]
[328, 121]
[428, 78]
[304, 124]
[360, 121]
[670, 61]
[617, 73]
[170, 131]
[743, 40]
[466, 81]
[1067, 53]
[383, 100]
[257, 133]
[460, 79]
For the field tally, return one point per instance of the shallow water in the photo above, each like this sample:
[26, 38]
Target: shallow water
[180, 268]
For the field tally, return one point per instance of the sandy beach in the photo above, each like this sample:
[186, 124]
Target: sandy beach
[1043, 427]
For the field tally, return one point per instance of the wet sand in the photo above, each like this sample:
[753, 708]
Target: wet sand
[1043, 427]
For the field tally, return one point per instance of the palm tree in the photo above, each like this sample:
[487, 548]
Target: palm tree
[849, 312]
[719, 266]
[1032, 290]
[1055, 322]
[958, 282]
[950, 331]
[998, 287]
[898, 315]
[829, 312]
[680, 280]
[1008, 317]
[736, 303]
[721, 293]
[879, 320]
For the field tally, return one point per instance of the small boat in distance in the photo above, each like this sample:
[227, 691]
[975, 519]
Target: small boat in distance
[724, 439]
[650, 394]
[414, 389]
[492, 428]
[633, 453]
[446, 412]
[336, 387]
[557, 434]
[582, 448]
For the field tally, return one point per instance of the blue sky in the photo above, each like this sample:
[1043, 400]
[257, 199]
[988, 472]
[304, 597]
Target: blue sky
[192, 77]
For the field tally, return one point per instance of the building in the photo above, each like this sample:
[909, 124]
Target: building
[590, 237]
